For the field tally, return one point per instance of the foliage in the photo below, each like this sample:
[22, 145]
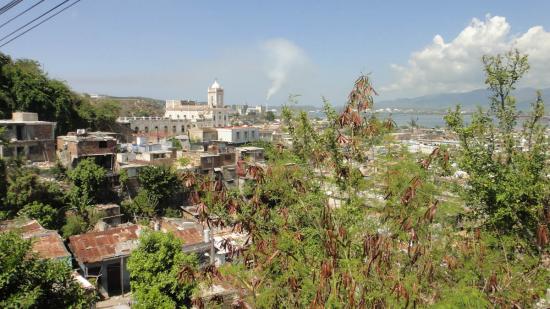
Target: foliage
[24, 86]
[26, 189]
[75, 224]
[508, 184]
[176, 143]
[144, 204]
[320, 234]
[89, 183]
[3, 183]
[101, 114]
[154, 267]
[46, 215]
[160, 182]
[30, 282]
[270, 116]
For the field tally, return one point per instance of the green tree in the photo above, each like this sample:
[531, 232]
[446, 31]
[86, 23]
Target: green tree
[24, 188]
[25, 87]
[508, 184]
[270, 116]
[321, 235]
[3, 184]
[89, 183]
[46, 215]
[30, 282]
[161, 183]
[154, 267]
[75, 224]
[101, 114]
[144, 204]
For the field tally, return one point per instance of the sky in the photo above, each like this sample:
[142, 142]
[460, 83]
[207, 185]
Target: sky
[263, 51]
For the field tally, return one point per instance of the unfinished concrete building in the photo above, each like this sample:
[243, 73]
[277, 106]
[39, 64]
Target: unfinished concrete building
[80, 145]
[28, 138]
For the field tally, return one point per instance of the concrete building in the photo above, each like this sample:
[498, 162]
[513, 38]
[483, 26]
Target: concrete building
[28, 138]
[250, 154]
[238, 135]
[74, 147]
[201, 135]
[161, 127]
[214, 111]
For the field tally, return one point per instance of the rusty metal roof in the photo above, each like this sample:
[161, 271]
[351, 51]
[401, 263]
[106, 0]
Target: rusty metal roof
[191, 233]
[46, 243]
[97, 246]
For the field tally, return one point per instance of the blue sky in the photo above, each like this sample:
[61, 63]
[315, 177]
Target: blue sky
[174, 49]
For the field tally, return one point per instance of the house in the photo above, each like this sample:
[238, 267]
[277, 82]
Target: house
[109, 215]
[201, 135]
[47, 244]
[104, 255]
[196, 239]
[266, 135]
[238, 134]
[249, 154]
[28, 138]
[80, 145]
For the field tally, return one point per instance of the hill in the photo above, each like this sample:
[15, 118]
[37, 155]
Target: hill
[135, 106]
[468, 100]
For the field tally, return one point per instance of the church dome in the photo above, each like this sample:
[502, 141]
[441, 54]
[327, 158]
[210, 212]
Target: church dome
[215, 85]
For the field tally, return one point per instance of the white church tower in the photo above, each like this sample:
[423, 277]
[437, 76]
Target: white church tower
[215, 95]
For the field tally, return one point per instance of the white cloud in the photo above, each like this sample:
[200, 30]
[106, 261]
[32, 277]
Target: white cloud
[455, 66]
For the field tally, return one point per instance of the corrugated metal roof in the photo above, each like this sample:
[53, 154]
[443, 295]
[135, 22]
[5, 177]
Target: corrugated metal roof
[46, 243]
[97, 246]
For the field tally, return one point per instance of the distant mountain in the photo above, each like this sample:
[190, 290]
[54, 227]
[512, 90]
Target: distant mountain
[468, 100]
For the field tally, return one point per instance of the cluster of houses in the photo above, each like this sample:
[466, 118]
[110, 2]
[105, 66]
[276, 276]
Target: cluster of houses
[102, 253]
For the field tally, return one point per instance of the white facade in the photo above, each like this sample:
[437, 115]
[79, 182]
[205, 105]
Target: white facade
[238, 135]
[215, 95]
[214, 112]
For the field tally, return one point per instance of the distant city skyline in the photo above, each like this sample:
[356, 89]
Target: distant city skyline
[175, 49]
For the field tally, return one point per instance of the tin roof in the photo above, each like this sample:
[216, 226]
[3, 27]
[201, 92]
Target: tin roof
[97, 246]
[46, 243]
[190, 232]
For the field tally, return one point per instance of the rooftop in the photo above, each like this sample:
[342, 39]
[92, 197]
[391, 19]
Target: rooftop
[46, 243]
[191, 233]
[98, 246]
[89, 136]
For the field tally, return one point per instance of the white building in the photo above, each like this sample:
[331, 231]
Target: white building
[238, 135]
[214, 111]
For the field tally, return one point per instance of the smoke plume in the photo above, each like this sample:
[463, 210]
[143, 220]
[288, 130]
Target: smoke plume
[283, 57]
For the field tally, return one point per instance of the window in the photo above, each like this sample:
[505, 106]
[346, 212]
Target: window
[238, 135]
[183, 128]
[102, 144]
[246, 135]
[253, 133]
[214, 117]
[136, 130]
[146, 129]
[174, 130]
[165, 129]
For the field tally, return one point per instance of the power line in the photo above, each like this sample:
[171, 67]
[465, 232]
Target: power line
[40, 23]
[32, 21]
[25, 11]
[9, 6]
